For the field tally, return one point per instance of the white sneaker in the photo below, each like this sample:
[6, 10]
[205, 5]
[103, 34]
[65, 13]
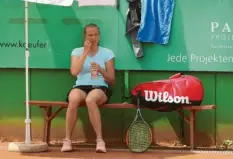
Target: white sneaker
[66, 146]
[100, 146]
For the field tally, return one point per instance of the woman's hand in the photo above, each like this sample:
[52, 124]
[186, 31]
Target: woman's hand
[87, 46]
[108, 74]
[95, 67]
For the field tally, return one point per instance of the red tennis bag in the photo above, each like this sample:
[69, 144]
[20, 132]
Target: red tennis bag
[170, 94]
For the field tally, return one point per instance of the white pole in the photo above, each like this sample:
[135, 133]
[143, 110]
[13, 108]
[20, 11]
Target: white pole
[27, 120]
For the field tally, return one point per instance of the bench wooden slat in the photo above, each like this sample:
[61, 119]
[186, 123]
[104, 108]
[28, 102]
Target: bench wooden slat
[65, 104]
[203, 107]
[47, 103]
[114, 105]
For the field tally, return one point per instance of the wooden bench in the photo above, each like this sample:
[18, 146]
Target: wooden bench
[49, 115]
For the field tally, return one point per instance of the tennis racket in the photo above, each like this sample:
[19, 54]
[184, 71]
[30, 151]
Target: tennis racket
[139, 134]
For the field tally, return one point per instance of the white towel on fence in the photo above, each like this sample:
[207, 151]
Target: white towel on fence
[53, 2]
[96, 2]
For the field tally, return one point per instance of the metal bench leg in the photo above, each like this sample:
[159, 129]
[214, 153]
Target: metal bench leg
[192, 128]
[47, 124]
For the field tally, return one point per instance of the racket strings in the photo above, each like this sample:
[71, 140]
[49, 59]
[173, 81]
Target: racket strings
[139, 137]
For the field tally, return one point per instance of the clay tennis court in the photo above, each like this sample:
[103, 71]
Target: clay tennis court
[54, 153]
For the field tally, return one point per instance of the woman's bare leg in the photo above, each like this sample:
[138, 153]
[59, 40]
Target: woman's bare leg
[76, 97]
[94, 99]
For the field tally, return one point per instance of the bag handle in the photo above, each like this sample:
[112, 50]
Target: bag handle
[178, 75]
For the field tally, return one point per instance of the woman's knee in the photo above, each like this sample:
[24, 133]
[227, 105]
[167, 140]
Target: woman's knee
[95, 98]
[76, 97]
[90, 102]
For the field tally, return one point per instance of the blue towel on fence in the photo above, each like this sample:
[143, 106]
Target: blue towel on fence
[156, 18]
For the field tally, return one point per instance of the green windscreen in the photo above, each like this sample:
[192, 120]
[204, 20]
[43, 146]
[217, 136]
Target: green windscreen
[201, 36]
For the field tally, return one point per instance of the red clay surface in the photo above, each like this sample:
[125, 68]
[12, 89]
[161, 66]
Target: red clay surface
[89, 153]
[55, 154]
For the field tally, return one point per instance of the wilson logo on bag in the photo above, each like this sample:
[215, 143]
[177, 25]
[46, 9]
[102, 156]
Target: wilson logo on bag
[170, 94]
[153, 96]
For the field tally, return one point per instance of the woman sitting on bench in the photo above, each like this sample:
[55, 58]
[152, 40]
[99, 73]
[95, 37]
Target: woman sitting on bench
[93, 66]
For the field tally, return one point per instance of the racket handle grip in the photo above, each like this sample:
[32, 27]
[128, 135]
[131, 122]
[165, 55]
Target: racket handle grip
[138, 93]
